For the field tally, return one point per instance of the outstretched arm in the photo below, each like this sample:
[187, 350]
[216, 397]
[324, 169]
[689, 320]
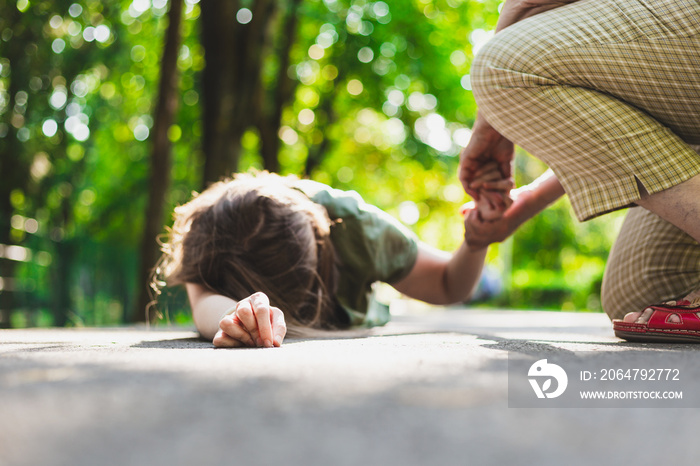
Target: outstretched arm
[439, 277]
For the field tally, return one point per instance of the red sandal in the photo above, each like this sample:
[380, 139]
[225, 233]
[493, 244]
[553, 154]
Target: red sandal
[658, 329]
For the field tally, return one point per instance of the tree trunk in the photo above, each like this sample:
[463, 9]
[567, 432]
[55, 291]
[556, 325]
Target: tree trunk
[161, 160]
[231, 80]
[270, 120]
[221, 149]
[13, 172]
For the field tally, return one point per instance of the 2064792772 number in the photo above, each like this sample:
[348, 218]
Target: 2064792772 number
[640, 374]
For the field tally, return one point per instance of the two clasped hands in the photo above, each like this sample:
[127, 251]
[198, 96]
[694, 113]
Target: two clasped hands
[485, 171]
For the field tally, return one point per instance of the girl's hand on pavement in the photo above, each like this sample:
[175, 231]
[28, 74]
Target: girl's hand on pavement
[254, 323]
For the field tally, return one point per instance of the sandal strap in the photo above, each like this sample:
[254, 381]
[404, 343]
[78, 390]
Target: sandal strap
[687, 315]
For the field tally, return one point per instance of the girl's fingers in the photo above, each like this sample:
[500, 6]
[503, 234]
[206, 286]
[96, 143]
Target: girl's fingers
[492, 199]
[222, 340]
[233, 327]
[478, 182]
[497, 199]
[244, 313]
[492, 181]
[279, 326]
[261, 309]
[254, 321]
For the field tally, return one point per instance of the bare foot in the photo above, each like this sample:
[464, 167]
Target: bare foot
[641, 317]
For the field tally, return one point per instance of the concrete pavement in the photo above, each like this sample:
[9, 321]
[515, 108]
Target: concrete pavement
[429, 388]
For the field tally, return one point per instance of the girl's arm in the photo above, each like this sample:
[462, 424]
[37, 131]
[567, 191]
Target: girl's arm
[230, 323]
[438, 277]
[207, 309]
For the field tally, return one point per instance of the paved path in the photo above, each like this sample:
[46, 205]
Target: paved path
[424, 390]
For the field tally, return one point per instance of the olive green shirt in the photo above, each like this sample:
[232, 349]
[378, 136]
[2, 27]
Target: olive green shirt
[371, 246]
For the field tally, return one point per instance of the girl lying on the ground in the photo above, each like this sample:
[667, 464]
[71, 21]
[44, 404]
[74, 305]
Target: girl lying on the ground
[262, 253]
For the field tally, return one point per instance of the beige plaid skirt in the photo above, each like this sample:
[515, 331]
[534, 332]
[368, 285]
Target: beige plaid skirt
[607, 93]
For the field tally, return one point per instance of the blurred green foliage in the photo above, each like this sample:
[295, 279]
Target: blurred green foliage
[385, 83]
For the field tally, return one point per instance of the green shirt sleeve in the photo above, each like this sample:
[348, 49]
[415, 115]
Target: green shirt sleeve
[371, 246]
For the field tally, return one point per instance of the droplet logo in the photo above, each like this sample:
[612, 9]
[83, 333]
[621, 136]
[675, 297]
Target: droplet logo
[546, 371]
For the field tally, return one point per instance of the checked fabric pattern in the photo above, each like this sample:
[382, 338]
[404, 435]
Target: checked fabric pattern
[607, 93]
[651, 262]
[602, 91]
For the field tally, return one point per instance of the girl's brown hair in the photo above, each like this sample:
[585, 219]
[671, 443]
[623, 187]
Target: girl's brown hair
[256, 233]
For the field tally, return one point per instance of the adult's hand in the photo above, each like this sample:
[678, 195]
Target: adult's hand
[486, 145]
[254, 323]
